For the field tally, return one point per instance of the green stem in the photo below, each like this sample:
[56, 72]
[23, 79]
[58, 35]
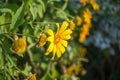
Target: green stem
[18, 34]
[5, 24]
[70, 16]
[41, 22]
[64, 6]
[30, 55]
[30, 22]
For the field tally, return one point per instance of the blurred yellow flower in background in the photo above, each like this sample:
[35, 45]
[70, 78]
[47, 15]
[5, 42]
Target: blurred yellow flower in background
[74, 69]
[84, 2]
[79, 20]
[95, 5]
[87, 15]
[84, 32]
[19, 46]
[72, 25]
[70, 70]
[32, 77]
[42, 40]
[58, 40]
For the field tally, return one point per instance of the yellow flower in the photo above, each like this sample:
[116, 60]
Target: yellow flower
[19, 46]
[84, 32]
[32, 77]
[74, 69]
[77, 68]
[79, 20]
[70, 70]
[84, 2]
[42, 40]
[72, 25]
[58, 40]
[95, 5]
[87, 16]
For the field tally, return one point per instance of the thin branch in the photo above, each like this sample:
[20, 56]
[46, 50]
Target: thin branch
[4, 24]
[42, 22]
[19, 34]
[30, 22]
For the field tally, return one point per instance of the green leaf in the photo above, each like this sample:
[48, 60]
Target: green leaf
[40, 11]
[64, 6]
[61, 14]
[33, 10]
[2, 20]
[51, 75]
[47, 76]
[54, 72]
[17, 18]
[43, 65]
[12, 6]
[3, 10]
[42, 4]
[54, 0]
[66, 77]
[1, 58]
[11, 63]
[27, 69]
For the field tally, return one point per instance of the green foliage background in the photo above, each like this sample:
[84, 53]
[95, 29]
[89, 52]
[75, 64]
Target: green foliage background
[30, 18]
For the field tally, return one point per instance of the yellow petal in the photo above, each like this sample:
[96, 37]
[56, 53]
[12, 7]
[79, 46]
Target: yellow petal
[32, 77]
[87, 16]
[50, 48]
[51, 38]
[64, 42]
[63, 27]
[82, 38]
[54, 51]
[84, 2]
[61, 47]
[66, 37]
[50, 32]
[95, 5]
[79, 20]
[58, 26]
[58, 53]
[72, 25]
[42, 40]
[66, 32]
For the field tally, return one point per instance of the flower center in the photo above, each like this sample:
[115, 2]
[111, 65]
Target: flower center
[56, 39]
